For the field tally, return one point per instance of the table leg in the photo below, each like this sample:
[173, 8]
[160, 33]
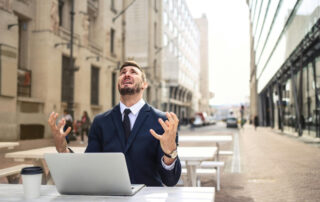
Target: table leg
[46, 177]
[218, 150]
[191, 172]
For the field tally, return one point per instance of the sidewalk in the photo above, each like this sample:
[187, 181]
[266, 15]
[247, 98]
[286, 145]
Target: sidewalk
[273, 168]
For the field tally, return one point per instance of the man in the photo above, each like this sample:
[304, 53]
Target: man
[134, 128]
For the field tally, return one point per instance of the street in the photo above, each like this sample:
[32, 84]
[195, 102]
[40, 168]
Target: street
[266, 166]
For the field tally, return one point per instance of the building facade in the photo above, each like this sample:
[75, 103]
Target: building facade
[206, 95]
[181, 59]
[35, 61]
[163, 37]
[285, 68]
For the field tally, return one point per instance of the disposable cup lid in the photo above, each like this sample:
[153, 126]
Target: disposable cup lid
[31, 170]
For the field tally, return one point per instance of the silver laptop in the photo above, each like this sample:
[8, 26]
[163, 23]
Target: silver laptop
[91, 174]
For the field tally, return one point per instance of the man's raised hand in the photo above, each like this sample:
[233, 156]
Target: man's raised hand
[59, 135]
[168, 138]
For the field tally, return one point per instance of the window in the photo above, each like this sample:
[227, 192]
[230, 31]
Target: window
[67, 80]
[155, 35]
[24, 75]
[112, 6]
[165, 40]
[94, 85]
[61, 4]
[165, 18]
[112, 38]
[64, 13]
[155, 5]
[114, 80]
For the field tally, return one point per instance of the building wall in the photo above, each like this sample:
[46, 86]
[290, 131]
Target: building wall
[166, 44]
[43, 44]
[204, 70]
[181, 59]
[143, 39]
[286, 55]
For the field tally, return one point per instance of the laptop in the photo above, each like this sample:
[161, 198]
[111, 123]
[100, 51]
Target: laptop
[91, 174]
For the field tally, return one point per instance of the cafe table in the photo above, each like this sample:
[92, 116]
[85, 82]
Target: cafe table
[217, 139]
[193, 156]
[8, 145]
[14, 192]
[37, 158]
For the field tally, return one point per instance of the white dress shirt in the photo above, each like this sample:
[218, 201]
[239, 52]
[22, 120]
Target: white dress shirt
[135, 109]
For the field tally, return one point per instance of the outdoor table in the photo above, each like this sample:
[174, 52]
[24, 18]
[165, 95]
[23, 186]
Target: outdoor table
[37, 156]
[14, 192]
[193, 156]
[9, 145]
[206, 139]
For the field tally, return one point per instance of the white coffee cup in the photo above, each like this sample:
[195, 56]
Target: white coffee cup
[31, 179]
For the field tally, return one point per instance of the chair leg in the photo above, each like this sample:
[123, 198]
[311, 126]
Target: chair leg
[218, 178]
[13, 179]
[198, 182]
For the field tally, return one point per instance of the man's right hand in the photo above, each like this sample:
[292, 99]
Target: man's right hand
[59, 135]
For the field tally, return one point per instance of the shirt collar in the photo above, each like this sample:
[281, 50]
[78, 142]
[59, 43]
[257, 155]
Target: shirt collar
[134, 108]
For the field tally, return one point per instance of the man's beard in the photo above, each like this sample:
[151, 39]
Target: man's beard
[129, 91]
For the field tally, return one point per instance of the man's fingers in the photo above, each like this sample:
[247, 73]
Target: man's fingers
[50, 118]
[155, 135]
[170, 118]
[175, 118]
[66, 132]
[167, 123]
[164, 125]
[61, 123]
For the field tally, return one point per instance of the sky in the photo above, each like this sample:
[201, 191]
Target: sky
[229, 48]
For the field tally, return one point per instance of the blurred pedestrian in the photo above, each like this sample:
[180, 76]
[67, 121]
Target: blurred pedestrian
[85, 125]
[256, 122]
[69, 121]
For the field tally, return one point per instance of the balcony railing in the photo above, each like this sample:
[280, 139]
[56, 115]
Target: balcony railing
[24, 83]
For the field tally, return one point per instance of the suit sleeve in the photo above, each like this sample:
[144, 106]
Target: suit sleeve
[94, 138]
[169, 177]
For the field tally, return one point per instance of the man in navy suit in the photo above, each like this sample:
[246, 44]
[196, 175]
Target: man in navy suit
[147, 137]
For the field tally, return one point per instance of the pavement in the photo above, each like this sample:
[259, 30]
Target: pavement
[266, 165]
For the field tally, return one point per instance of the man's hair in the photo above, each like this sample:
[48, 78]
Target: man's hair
[134, 64]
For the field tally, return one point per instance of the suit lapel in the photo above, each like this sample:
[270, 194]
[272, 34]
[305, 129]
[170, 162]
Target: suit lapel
[117, 120]
[143, 115]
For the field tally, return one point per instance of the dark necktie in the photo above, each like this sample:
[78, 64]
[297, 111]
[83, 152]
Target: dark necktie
[126, 123]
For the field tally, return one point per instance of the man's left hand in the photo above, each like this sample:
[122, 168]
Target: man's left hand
[168, 138]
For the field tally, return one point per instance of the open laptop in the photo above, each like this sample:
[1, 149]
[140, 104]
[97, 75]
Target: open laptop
[91, 174]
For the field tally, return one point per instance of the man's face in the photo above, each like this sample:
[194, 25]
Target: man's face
[130, 81]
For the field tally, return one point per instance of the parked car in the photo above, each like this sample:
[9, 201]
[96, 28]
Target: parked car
[204, 118]
[232, 122]
[212, 120]
[197, 121]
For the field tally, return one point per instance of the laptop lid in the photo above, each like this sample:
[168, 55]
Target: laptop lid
[90, 173]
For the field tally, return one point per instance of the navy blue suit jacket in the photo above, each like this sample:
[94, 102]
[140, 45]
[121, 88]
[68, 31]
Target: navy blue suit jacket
[142, 151]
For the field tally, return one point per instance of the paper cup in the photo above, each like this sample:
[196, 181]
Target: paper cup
[31, 179]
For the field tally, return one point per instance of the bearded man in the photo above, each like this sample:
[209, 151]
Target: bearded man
[146, 136]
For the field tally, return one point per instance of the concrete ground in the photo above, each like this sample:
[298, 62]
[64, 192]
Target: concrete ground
[266, 165]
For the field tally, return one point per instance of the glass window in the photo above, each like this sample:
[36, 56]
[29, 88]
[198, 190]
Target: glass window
[94, 85]
[165, 18]
[112, 40]
[165, 40]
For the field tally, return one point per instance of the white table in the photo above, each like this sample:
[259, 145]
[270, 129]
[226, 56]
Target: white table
[37, 156]
[9, 145]
[14, 192]
[206, 139]
[193, 156]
